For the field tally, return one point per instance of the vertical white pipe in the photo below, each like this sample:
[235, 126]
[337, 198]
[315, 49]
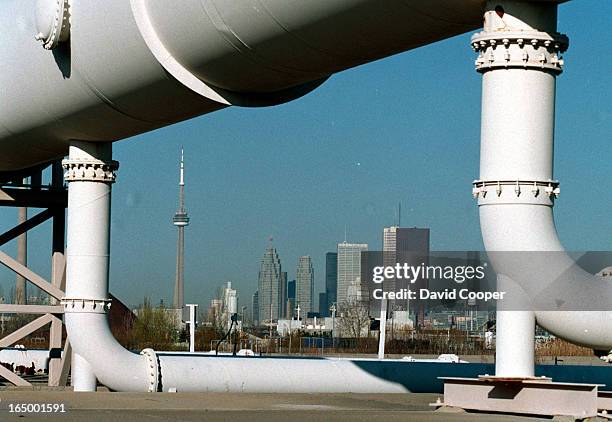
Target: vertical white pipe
[519, 63]
[515, 341]
[83, 377]
[88, 243]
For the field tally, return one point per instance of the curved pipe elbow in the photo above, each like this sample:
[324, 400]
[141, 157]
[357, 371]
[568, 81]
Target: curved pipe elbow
[523, 244]
[113, 365]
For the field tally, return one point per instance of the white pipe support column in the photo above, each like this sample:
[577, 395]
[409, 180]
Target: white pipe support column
[90, 172]
[515, 341]
[519, 57]
[83, 377]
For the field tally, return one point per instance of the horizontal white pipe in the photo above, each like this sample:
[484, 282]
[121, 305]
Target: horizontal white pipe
[133, 66]
[269, 375]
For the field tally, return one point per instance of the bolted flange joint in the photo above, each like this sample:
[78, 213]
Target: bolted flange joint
[543, 192]
[88, 170]
[152, 369]
[519, 49]
[52, 22]
[80, 305]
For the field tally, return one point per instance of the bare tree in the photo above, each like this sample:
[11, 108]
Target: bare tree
[354, 318]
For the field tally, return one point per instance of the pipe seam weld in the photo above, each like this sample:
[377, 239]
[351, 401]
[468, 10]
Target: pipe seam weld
[82, 305]
[152, 369]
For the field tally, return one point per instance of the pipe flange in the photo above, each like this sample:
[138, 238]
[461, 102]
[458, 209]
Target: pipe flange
[77, 170]
[516, 191]
[81, 305]
[52, 22]
[519, 49]
[152, 369]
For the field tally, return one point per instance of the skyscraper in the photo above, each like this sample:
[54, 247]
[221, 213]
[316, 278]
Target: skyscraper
[290, 309]
[349, 287]
[283, 295]
[180, 220]
[255, 309]
[411, 246]
[304, 285]
[323, 308]
[230, 303]
[269, 287]
[331, 281]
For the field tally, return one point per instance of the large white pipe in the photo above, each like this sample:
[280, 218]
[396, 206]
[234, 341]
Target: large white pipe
[519, 56]
[90, 173]
[270, 375]
[128, 67]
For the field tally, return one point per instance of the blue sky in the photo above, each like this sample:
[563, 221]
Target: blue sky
[401, 129]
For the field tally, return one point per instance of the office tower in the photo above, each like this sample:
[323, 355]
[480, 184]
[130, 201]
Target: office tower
[255, 309]
[304, 285]
[269, 287]
[180, 220]
[411, 246]
[349, 287]
[331, 280]
[283, 295]
[290, 308]
[230, 303]
[323, 308]
[291, 290]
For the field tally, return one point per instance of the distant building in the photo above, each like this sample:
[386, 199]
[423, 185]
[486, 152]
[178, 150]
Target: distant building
[283, 295]
[215, 312]
[349, 287]
[323, 308]
[255, 309]
[331, 281]
[304, 284]
[291, 289]
[269, 287]
[230, 303]
[290, 308]
[406, 245]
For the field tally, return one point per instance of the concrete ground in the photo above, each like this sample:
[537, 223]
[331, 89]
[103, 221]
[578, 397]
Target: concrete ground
[188, 407]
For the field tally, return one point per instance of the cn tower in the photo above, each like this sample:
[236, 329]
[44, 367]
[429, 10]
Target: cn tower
[180, 220]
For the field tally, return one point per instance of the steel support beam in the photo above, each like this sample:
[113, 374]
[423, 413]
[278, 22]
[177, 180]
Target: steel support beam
[29, 224]
[26, 330]
[13, 378]
[31, 309]
[44, 198]
[31, 276]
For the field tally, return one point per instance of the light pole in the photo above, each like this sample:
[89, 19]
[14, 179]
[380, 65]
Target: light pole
[192, 324]
[333, 313]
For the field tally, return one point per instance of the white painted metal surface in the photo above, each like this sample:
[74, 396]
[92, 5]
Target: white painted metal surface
[269, 375]
[181, 59]
[520, 57]
[90, 173]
